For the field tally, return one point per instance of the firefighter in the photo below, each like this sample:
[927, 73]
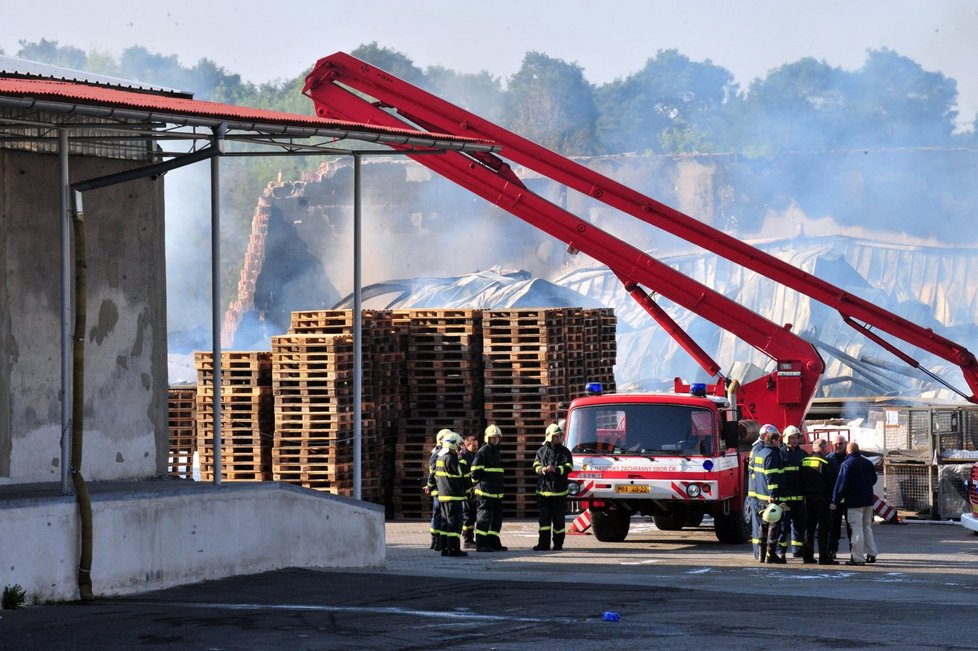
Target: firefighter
[552, 465]
[431, 488]
[818, 476]
[465, 457]
[487, 475]
[452, 492]
[753, 506]
[793, 522]
[768, 469]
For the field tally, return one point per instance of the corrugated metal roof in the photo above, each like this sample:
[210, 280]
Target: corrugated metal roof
[14, 67]
[99, 96]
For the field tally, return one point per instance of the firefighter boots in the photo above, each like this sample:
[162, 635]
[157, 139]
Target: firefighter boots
[469, 541]
[773, 558]
[435, 542]
[558, 542]
[543, 544]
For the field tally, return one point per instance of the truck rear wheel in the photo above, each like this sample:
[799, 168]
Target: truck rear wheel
[730, 528]
[610, 526]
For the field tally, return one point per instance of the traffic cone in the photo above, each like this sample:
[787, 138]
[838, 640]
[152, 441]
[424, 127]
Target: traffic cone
[581, 523]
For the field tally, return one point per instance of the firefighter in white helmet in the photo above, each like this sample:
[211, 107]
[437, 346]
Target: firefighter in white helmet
[431, 488]
[552, 465]
[753, 507]
[487, 475]
[768, 473]
[452, 492]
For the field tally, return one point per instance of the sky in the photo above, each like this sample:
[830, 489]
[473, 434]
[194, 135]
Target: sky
[264, 41]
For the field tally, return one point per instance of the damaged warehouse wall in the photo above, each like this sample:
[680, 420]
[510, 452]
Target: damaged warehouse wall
[125, 358]
[846, 235]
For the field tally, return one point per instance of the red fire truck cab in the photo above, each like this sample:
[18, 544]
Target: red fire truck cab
[673, 456]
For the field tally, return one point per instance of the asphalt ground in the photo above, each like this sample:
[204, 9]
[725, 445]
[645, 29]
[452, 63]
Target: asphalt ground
[670, 590]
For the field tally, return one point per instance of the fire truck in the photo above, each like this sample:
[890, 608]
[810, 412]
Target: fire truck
[969, 520]
[676, 456]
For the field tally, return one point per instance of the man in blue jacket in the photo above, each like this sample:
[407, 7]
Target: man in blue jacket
[857, 476]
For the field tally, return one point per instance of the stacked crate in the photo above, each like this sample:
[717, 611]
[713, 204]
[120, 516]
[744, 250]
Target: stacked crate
[247, 418]
[314, 401]
[529, 356]
[183, 431]
[443, 374]
[600, 349]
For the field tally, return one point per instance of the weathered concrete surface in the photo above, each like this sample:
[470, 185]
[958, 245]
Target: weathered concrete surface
[149, 535]
[125, 354]
[672, 590]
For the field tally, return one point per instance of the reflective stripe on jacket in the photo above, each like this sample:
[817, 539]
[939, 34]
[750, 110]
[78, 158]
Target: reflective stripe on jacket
[553, 484]
[767, 465]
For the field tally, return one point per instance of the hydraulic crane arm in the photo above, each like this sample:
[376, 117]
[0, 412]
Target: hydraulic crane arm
[435, 114]
[781, 397]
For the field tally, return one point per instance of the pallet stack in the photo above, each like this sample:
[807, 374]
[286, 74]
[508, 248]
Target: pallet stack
[443, 376]
[247, 418]
[183, 431]
[600, 349]
[528, 357]
[314, 402]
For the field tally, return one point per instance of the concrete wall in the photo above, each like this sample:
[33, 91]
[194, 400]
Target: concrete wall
[183, 533]
[125, 357]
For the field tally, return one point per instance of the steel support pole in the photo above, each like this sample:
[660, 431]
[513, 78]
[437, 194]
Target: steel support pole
[66, 320]
[216, 296]
[357, 334]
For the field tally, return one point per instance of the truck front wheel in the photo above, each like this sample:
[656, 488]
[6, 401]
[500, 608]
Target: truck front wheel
[730, 528]
[610, 526]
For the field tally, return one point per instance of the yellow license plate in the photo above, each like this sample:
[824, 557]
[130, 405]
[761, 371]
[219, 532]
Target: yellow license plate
[631, 488]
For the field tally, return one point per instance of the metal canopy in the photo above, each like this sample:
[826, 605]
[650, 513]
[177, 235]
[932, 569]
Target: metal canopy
[51, 116]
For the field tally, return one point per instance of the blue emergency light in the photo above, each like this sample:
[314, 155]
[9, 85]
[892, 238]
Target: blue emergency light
[593, 389]
[698, 389]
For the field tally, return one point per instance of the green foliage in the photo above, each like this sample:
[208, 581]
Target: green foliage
[13, 597]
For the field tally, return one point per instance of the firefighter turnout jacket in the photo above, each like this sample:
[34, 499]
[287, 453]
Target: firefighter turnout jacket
[790, 484]
[768, 469]
[449, 478]
[817, 476]
[553, 484]
[487, 471]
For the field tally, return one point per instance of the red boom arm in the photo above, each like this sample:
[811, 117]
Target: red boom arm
[435, 114]
[782, 397]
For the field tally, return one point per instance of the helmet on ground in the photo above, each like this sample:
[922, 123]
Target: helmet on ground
[493, 430]
[553, 429]
[772, 513]
[440, 436]
[767, 430]
[790, 431]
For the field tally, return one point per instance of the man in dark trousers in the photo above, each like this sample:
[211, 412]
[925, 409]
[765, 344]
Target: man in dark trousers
[768, 469]
[431, 488]
[793, 524]
[487, 474]
[855, 482]
[552, 465]
[817, 483]
[753, 507]
[452, 491]
[465, 457]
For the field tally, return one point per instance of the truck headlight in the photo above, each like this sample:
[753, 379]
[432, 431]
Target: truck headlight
[573, 488]
[693, 490]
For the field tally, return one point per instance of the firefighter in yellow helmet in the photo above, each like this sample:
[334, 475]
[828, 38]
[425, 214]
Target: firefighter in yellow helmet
[552, 465]
[487, 475]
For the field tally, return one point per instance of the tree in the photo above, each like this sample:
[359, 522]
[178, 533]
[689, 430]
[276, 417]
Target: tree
[396, 63]
[50, 52]
[480, 93]
[671, 105]
[551, 103]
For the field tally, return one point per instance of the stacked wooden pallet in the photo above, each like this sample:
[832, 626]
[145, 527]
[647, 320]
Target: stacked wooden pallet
[529, 357]
[443, 374]
[183, 431]
[600, 349]
[247, 418]
[313, 386]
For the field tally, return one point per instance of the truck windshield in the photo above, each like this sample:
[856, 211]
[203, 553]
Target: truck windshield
[652, 429]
